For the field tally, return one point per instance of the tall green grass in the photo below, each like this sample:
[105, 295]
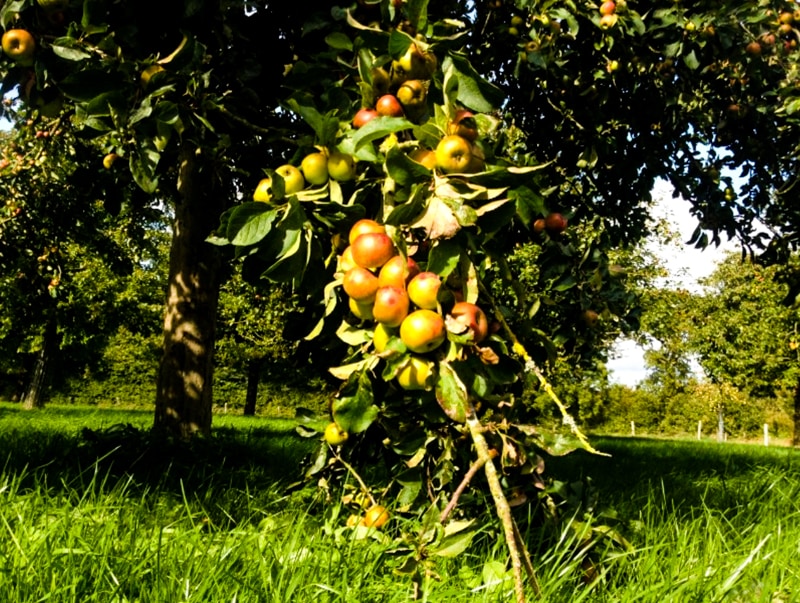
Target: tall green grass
[93, 509]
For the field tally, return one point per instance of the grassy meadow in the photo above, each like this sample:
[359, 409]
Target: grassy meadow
[92, 509]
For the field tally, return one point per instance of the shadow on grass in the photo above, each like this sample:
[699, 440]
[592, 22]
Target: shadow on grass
[683, 472]
[258, 458]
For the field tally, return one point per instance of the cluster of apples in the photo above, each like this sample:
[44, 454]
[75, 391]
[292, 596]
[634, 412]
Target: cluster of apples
[608, 16]
[315, 170]
[403, 301]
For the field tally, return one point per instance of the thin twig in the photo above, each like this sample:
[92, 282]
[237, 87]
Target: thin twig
[474, 468]
[355, 474]
[526, 560]
[500, 502]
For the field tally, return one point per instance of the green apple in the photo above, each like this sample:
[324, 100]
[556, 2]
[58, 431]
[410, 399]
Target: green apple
[341, 166]
[315, 168]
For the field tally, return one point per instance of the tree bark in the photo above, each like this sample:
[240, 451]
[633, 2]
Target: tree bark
[184, 389]
[253, 375]
[796, 430]
[36, 390]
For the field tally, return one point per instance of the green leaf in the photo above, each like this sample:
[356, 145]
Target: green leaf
[339, 41]
[443, 257]
[83, 86]
[403, 169]
[454, 544]
[69, 52]
[356, 413]
[250, 222]
[143, 162]
[474, 92]
[378, 128]
[691, 60]
[451, 393]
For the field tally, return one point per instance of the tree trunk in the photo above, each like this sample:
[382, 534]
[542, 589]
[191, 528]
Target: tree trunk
[253, 375]
[36, 390]
[796, 431]
[184, 392]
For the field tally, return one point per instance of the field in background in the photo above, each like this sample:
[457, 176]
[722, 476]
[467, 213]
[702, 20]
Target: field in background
[92, 509]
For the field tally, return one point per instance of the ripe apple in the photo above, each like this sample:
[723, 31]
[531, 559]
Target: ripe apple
[453, 154]
[464, 125]
[361, 310]
[608, 7]
[364, 226]
[412, 95]
[471, 316]
[786, 17]
[293, 181]
[360, 284]
[423, 331]
[315, 168]
[372, 250]
[539, 226]
[391, 306]
[375, 517]
[426, 157]
[389, 106]
[423, 290]
[363, 117]
[753, 48]
[109, 160]
[335, 435]
[397, 272]
[19, 46]
[417, 373]
[341, 166]
[590, 318]
[555, 223]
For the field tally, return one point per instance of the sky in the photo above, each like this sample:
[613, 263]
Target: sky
[686, 266]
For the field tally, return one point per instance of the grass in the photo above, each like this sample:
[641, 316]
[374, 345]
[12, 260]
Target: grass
[91, 509]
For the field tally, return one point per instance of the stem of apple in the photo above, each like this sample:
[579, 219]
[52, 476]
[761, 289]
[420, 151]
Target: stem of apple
[500, 502]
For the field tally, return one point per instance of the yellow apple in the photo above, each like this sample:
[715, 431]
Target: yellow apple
[423, 290]
[19, 46]
[361, 310]
[363, 226]
[417, 373]
[397, 272]
[391, 306]
[453, 154]
[360, 284]
[341, 166]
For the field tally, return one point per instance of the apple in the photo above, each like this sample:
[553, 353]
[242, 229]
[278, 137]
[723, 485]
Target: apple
[363, 117]
[19, 46]
[109, 160]
[753, 48]
[364, 226]
[472, 317]
[555, 223]
[315, 168]
[426, 157]
[380, 81]
[397, 272]
[148, 74]
[463, 124]
[412, 95]
[517, 21]
[423, 290]
[389, 106]
[590, 318]
[375, 517]
[539, 226]
[263, 192]
[360, 284]
[415, 64]
[453, 154]
[608, 21]
[361, 310]
[381, 336]
[391, 306]
[372, 250]
[335, 435]
[341, 166]
[53, 5]
[786, 18]
[423, 331]
[346, 260]
[608, 7]
[416, 374]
